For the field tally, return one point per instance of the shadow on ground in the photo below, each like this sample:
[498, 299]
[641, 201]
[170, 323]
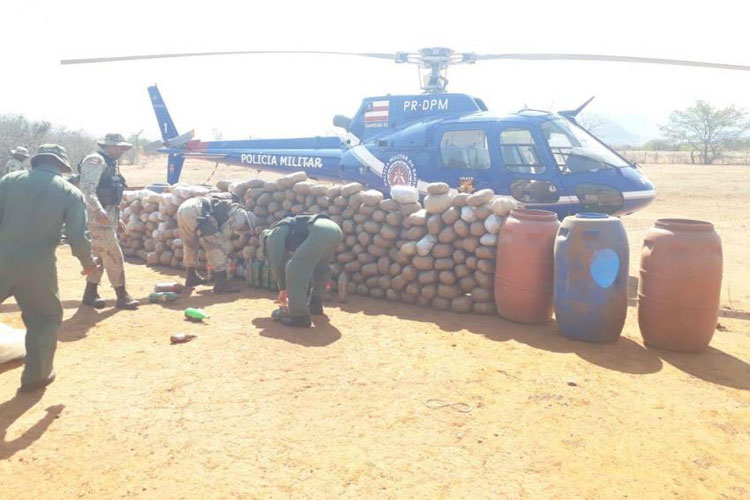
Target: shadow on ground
[624, 355]
[77, 326]
[321, 334]
[12, 410]
[712, 365]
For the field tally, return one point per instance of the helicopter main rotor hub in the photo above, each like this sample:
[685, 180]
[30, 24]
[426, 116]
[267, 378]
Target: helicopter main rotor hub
[435, 60]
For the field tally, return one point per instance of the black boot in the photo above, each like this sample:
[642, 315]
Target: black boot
[222, 283]
[279, 313]
[124, 300]
[298, 321]
[37, 385]
[316, 306]
[91, 296]
[193, 278]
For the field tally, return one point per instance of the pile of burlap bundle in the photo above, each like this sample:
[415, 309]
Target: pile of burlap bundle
[439, 253]
[151, 232]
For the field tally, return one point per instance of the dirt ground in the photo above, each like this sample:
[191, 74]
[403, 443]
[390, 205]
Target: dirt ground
[352, 407]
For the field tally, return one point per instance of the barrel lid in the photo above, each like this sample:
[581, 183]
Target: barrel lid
[592, 215]
[684, 225]
[532, 214]
[157, 187]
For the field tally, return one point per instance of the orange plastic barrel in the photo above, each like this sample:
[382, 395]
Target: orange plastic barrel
[680, 285]
[524, 273]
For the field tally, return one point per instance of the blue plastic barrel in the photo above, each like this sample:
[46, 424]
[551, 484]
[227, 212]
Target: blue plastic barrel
[157, 187]
[591, 277]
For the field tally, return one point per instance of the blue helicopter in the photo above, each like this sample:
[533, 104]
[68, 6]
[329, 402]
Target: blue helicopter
[544, 160]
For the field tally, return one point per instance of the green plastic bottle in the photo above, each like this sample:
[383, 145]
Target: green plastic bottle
[163, 297]
[196, 315]
[265, 276]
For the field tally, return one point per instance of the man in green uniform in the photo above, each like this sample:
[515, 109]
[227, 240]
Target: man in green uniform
[34, 205]
[300, 249]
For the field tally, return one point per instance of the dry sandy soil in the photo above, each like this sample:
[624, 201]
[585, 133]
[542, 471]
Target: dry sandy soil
[348, 407]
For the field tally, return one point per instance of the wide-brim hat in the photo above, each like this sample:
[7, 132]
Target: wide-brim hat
[53, 152]
[114, 140]
[20, 151]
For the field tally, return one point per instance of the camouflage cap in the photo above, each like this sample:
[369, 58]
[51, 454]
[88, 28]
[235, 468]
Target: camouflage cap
[241, 219]
[114, 140]
[54, 152]
[20, 151]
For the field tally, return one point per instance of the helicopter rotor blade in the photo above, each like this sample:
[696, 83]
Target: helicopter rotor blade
[470, 58]
[226, 53]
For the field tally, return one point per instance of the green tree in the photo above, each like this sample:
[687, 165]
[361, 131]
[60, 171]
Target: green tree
[707, 130]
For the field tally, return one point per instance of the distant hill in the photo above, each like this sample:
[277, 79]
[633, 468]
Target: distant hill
[626, 130]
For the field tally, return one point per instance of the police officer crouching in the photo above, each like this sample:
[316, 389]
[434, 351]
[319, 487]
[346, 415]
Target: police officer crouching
[299, 250]
[209, 222]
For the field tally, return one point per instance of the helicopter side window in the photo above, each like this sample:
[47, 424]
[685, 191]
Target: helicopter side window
[519, 151]
[465, 149]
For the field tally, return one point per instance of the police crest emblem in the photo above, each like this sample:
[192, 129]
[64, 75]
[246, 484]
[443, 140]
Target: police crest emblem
[400, 171]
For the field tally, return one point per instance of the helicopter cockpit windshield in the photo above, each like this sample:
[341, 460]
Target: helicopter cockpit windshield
[576, 150]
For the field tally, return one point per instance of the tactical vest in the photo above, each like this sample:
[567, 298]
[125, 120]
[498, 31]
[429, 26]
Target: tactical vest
[299, 228]
[220, 209]
[111, 184]
[214, 213]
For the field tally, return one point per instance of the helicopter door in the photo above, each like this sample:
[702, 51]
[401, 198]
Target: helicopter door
[531, 181]
[464, 156]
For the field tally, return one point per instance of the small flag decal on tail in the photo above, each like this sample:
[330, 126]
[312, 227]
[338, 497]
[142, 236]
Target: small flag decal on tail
[376, 114]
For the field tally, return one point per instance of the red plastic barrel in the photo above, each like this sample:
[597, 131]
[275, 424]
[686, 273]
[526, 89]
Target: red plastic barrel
[680, 285]
[524, 266]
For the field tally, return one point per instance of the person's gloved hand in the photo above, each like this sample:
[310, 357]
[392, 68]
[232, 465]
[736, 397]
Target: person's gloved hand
[283, 299]
[91, 270]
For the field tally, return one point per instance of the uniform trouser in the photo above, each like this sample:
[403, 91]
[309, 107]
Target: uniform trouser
[216, 245]
[105, 245]
[311, 260]
[34, 285]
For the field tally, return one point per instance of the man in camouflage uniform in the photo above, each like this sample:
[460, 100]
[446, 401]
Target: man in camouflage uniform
[102, 187]
[15, 164]
[34, 205]
[209, 222]
[299, 250]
